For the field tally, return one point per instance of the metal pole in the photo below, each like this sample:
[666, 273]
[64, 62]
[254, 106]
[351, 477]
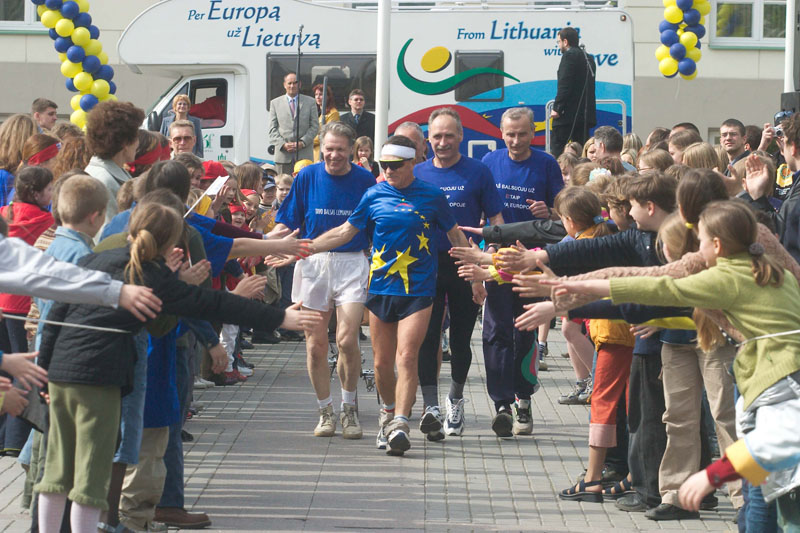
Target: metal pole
[382, 74]
[297, 107]
[324, 98]
[788, 58]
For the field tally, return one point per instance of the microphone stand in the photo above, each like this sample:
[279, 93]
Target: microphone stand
[297, 107]
[589, 71]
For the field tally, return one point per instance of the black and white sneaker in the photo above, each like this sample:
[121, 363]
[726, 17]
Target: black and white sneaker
[398, 441]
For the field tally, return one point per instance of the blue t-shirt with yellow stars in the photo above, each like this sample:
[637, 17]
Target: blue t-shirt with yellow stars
[402, 223]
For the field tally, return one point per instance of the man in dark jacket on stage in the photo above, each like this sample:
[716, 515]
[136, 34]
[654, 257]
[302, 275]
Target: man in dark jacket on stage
[573, 111]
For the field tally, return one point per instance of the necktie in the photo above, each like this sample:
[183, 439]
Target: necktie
[292, 106]
[356, 117]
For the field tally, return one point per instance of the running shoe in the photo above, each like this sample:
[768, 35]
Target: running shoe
[454, 422]
[384, 417]
[351, 428]
[573, 397]
[397, 437]
[523, 421]
[327, 423]
[431, 423]
[503, 422]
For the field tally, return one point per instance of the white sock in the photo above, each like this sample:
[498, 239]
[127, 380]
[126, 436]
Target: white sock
[83, 518]
[51, 512]
[325, 403]
[349, 397]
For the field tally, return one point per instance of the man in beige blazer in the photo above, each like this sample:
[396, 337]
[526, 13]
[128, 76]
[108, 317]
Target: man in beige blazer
[282, 112]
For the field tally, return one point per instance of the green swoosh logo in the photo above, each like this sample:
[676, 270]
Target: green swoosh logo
[439, 87]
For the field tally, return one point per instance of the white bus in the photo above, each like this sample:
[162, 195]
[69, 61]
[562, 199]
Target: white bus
[479, 58]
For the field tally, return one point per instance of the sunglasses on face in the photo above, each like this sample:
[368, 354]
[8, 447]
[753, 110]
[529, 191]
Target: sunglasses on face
[394, 165]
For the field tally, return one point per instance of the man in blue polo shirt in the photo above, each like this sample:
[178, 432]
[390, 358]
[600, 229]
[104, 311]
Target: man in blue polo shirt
[322, 197]
[528, 182]
[471, 193]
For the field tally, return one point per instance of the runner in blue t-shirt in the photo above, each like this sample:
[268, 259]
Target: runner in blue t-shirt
[471, 194]
[322, 197]
[529, 181]
[401, 215]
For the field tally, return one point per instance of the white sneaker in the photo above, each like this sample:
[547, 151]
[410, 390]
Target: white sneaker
[382, 440]
[454, 423]
[398, 437]
[431, 423]
[198, 384]
[348, 418]
[246, 372]
[207, 383]
[327, 423]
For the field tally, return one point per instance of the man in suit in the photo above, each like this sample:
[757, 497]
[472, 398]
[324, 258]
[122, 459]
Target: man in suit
[574, 107]
[282, 113]
[363, 122]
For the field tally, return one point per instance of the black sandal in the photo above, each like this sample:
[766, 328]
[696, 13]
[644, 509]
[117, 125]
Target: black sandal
[578, 493]
[618, 490]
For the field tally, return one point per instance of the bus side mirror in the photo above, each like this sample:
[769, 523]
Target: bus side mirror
[154, 121]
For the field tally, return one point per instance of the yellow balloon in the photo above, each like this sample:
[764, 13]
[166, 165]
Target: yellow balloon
[65, 27]
[694, 54]
[668, 3]
[50, 18]
[93, 48]
[75, 102]
[83, 81]
[673, 15]
[662, 52]
[81, 36]
[668, 66]
[62, 56]
[83, 5]
[78, 117]
[703, 7]
[100, 88]
[103, 57]
[691, 76]
[40, 10]
[702, 21]
[108, 97]
[70, 69]
[680, 32]
[688, 39]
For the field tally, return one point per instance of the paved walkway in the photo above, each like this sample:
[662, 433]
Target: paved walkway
[254, 465]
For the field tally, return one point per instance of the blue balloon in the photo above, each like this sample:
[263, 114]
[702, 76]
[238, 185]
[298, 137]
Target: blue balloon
[76, 54]
[71, 86]
[685, 5]
[677, 51]
[94, 31]
[113, 87]
[698, 45]
[669, 37]
[673, 75]
[664, 26]
[53, 34]
[105, 72]
[88, 101]
[37, 2]
[687, 66]
[91, 64]
[70, 10]
[697, 29]
[83, 20]
[62, 44]
[53, 4]
[691, 17]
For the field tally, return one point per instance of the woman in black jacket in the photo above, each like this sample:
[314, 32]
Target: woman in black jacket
[89, 370]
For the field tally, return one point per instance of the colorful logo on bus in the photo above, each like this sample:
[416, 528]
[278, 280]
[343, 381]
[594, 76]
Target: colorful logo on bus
[435, 60]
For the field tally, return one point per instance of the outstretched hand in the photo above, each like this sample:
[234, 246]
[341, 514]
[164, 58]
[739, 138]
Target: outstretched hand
[292, 246]
[528, 286]
[757, 180]
[251, 287]
[23, 368]
[300, 319]
[195, 274]
[468, 254]
[472, 272]
[140, 302]
[535, 315]
[693, 491]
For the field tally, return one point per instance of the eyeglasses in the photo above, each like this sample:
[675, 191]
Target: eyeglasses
[394, 165]
[185, 139]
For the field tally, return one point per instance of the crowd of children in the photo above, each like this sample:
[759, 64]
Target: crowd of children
[692, 245]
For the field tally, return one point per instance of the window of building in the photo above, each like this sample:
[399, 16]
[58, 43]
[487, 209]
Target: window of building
[747, 23]
[471, 89]
[344, 72]
[19, 15]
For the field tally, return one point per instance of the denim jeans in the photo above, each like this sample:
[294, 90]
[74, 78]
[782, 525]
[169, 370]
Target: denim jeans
[758, 516]
[132, 414]
[173, 457]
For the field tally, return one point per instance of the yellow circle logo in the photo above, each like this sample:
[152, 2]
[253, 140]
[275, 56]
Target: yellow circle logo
[436, 59]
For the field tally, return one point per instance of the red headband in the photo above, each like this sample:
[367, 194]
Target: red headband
[166, 152]
[248, 192]
[45, 155]
[236, 208]
[147, 158]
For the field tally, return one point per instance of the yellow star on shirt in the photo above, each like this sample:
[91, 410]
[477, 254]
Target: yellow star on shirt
[426, 225]
[401, 264]
[377, 262]
[423, 243]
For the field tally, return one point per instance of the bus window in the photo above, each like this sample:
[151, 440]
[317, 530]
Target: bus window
[474, 88]
[209, 102]
[344, 72]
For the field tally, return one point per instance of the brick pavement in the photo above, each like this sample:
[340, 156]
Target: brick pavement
[254, 465]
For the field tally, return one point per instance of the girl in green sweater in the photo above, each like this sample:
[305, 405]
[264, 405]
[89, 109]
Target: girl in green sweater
[762, 302]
